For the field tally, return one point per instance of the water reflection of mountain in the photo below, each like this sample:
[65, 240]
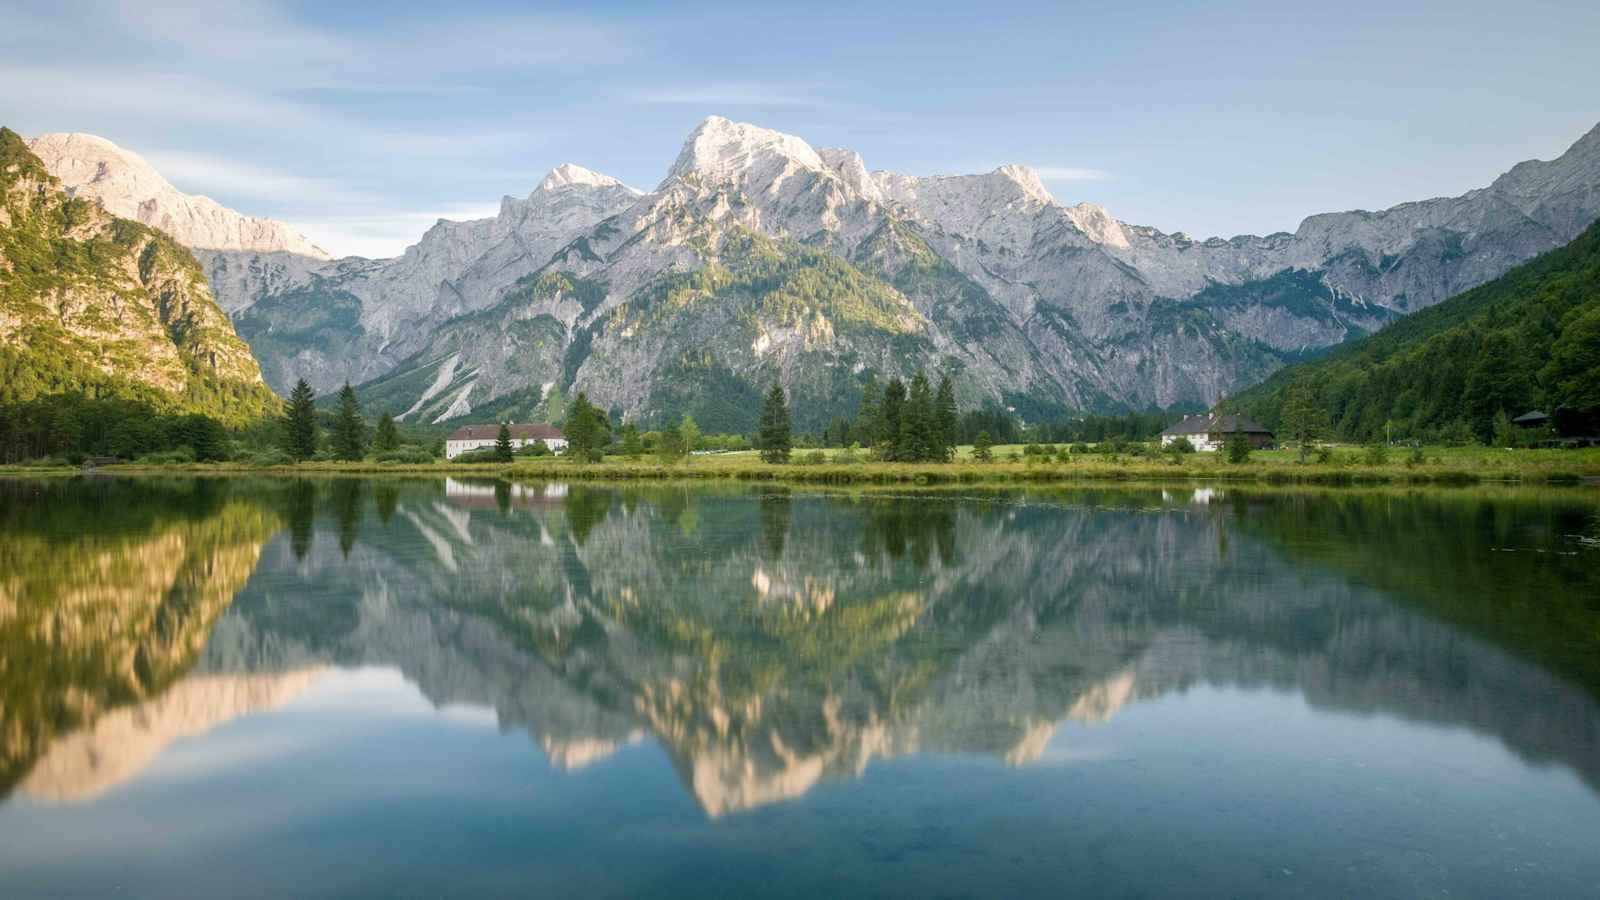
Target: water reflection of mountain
[107, 598]
[769, 642]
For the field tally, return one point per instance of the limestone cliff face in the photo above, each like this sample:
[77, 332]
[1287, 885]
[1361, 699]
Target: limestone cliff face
[1032, 303]
[126, 185]
[88, 299]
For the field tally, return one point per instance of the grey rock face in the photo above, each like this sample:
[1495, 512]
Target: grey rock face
[761, 258]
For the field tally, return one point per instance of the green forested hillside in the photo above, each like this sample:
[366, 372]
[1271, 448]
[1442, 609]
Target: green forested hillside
[1530, 338]
[100, 306]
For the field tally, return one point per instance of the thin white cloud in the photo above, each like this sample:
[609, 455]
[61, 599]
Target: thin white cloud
[732, 94]
[198, 173]
[90, 95]
[380, 234]
[1071, 173]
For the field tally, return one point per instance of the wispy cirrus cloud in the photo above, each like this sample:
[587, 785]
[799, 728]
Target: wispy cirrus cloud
[381, 233]
[1071, 173]
[733, 94]
[198, 173]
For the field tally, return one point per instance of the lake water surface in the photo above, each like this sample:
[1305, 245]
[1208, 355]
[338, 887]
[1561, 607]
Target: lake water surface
[286, 688]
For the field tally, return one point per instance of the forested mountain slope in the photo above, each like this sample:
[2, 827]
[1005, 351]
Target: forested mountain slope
[1530, 338]
[104, 306]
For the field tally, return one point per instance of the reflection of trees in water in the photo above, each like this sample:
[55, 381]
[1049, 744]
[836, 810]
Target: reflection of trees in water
[386, 497]
[913, 527]
[774, 523]
[840, 629]
[301, 512]
[586, 507]
[347, 511]
[1509, 571]
[786, 638]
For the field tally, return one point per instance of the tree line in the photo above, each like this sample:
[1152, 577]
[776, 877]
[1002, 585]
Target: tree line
[899, 423]
[74, 426]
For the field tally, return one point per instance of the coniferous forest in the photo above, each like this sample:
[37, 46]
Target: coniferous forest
[1529, 339]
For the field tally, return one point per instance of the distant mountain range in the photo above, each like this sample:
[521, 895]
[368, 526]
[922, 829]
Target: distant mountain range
[759, 257]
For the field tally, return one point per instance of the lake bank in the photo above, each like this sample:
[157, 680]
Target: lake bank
[1449, 467]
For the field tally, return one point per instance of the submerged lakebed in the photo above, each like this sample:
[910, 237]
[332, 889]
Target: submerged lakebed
[392, 687]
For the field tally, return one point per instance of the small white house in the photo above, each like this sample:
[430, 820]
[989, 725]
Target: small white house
[1210, 432]
[484, 437]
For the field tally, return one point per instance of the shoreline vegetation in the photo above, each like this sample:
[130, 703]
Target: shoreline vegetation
[1010, 465]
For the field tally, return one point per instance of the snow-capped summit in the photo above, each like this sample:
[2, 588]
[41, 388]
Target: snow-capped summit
[128, 186]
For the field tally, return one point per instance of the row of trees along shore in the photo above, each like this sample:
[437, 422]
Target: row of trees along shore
[915, 423]
[894, 422]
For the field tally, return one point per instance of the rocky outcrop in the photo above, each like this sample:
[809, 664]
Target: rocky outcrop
[96, 303]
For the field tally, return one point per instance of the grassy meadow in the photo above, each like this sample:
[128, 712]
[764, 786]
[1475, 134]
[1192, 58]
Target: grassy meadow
[1011, 464]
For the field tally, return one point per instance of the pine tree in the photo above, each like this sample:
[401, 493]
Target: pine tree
[632, 445]
[916, 422]
[502, 444]
[944, 420]
[587, 430]
[889, 413]
[300, 422]
[387, 437]
[865, 431]
[774, 439]
[349, 431]
[981, 447]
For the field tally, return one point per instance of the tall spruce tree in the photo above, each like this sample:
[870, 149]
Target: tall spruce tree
[865, 430]
[300, 422]
[944, 420]
[890, 409]
[774, 439]
[587, 430]
[916, 422]
[386, 437]
[502, 444]
[349, 431]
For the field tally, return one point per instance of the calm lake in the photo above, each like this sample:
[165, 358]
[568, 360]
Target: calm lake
[283, 688]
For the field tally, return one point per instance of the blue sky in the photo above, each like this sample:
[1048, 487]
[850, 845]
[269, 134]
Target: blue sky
[362, 124]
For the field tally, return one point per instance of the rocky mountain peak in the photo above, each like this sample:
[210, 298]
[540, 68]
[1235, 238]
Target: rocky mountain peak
[719, 150]
[1101, 227]
[852, 170]
[1028, 180]
[569, 174]
[128, 186]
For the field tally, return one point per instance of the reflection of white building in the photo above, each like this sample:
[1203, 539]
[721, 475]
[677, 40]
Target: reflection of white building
[484, 437]
[485, 494]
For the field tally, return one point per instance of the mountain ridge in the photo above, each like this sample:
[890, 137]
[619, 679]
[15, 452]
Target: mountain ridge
[102, 305]
[1031, 303]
